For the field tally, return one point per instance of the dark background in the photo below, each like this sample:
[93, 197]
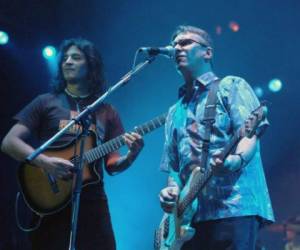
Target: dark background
[266, 47]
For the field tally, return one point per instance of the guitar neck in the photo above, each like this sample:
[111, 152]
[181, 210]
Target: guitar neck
[203, 178]
[116, 143]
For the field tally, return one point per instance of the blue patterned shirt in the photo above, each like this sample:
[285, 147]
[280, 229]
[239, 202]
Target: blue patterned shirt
[240, 193]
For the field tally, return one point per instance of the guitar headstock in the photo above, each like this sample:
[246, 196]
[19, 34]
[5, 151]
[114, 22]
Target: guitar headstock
[254, 120]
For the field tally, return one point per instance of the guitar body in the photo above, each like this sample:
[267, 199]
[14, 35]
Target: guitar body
[46, 195]
[175, 228]
[36, 187]
[166, 237]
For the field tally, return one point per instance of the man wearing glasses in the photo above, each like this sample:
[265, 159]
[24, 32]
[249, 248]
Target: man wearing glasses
[235, 202]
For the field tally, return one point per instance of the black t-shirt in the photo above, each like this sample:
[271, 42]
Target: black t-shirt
[49, 113]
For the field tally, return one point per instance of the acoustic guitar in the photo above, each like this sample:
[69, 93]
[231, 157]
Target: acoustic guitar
[47, 195]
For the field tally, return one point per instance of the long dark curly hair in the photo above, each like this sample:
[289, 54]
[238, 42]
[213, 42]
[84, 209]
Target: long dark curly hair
[95, 75]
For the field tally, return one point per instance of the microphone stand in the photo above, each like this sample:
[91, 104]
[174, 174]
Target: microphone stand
[84, 119]
[78, 183]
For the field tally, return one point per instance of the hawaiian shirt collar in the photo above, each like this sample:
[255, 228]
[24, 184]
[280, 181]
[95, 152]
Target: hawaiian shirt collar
[206, 78]
[202, 81]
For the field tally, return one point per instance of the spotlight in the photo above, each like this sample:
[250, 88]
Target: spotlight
[219, 30]
[3, 38]
[275, 85]
[49, 52]
[259, 92]
[234, 26]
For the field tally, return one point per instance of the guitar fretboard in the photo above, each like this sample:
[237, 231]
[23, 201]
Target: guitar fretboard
[118, 142]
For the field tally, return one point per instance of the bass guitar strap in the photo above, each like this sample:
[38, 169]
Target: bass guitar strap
[209, 119]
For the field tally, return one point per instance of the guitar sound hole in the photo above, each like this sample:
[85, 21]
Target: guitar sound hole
[75, 161]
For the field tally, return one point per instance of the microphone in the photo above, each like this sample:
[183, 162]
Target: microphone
[167, 51]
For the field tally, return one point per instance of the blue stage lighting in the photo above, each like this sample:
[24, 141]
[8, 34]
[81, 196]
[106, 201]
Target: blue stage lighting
[275, 85]
[259, 92]
[3, 38]
[49, 52]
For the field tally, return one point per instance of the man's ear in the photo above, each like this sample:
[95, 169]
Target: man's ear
[208, 54]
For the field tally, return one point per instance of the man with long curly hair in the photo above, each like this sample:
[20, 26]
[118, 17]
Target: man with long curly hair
[78, 83]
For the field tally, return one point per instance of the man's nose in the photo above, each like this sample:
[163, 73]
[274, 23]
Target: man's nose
[177, 47]
[68, 60]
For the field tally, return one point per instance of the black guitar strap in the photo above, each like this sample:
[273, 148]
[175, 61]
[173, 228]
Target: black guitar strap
[209, 119]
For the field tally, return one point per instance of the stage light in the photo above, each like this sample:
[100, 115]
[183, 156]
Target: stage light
[234, 26]
[275, 85]
[219, 30]
[259, 92]
[49, 52]
[3, 38]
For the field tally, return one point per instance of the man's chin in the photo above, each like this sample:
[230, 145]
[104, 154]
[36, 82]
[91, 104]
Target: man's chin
[70, 79]
[181, 66]
[75, 80]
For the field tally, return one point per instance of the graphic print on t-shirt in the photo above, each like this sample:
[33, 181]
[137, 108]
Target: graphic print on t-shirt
[76, 128]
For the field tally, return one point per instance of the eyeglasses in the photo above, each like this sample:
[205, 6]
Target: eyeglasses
[185, 42]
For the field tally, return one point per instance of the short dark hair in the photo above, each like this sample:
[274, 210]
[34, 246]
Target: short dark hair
[192, 29]
[95, 74]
